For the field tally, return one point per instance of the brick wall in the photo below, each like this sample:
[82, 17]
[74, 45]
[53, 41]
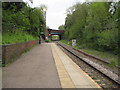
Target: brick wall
[11, 51]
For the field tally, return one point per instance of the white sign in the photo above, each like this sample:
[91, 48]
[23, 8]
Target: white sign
[42, 32]
[46, 38]
[74, 42]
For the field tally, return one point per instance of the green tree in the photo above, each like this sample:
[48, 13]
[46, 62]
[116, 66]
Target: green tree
[18, 17]
[61, 27]
[94, 25]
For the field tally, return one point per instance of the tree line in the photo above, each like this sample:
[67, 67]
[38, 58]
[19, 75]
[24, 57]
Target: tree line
[94, 25]
[19, 17]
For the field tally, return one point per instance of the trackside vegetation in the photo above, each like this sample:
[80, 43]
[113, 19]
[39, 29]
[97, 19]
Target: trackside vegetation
[21, 23]
[94, 25]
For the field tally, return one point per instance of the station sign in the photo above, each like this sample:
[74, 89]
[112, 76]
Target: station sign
[42, 33]
[73, 42]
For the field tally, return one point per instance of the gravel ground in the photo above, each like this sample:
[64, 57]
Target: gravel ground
[105, 65]
[99, 78]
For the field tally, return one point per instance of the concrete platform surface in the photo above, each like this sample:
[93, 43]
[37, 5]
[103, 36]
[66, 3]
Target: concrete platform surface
[34, 69]
[69, 73]
[45, 66]
[0, 78]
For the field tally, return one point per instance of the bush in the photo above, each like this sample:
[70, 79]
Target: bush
[48, 40]
[108, 40]
[20, 22]
[93, 26]
[18, 37]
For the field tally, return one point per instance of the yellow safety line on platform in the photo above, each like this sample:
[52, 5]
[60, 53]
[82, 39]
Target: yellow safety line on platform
[65, 79]
[71, 71]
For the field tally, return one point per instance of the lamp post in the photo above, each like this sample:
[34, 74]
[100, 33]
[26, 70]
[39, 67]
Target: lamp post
[44, 13]
[42, 33]
[44, 10]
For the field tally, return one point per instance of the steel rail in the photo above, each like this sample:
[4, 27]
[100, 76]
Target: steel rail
[112, 76]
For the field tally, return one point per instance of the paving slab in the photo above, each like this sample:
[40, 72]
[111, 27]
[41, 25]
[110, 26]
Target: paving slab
[65, 80]
[34, 69]
[75, 74]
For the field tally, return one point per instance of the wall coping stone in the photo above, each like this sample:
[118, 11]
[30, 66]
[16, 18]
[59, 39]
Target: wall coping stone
[4, 45]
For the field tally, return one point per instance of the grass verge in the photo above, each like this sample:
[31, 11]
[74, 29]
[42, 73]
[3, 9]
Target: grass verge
[17, 37]
[48, 41]
[112, 59]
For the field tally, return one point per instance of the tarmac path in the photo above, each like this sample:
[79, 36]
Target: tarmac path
[34, 69]
[0, 78]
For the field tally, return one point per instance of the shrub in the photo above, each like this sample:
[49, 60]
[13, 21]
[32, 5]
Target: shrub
[18, 37]
[108, 40]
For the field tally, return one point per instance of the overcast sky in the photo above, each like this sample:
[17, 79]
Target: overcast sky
[55, 15]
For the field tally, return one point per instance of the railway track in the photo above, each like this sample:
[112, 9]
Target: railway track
[102, 60]
[106, 72]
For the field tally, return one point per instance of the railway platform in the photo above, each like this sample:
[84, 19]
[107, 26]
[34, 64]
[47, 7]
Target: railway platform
[70, 75]
[46, 66]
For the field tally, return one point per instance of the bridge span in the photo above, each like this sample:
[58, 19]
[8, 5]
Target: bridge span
[51, 32]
